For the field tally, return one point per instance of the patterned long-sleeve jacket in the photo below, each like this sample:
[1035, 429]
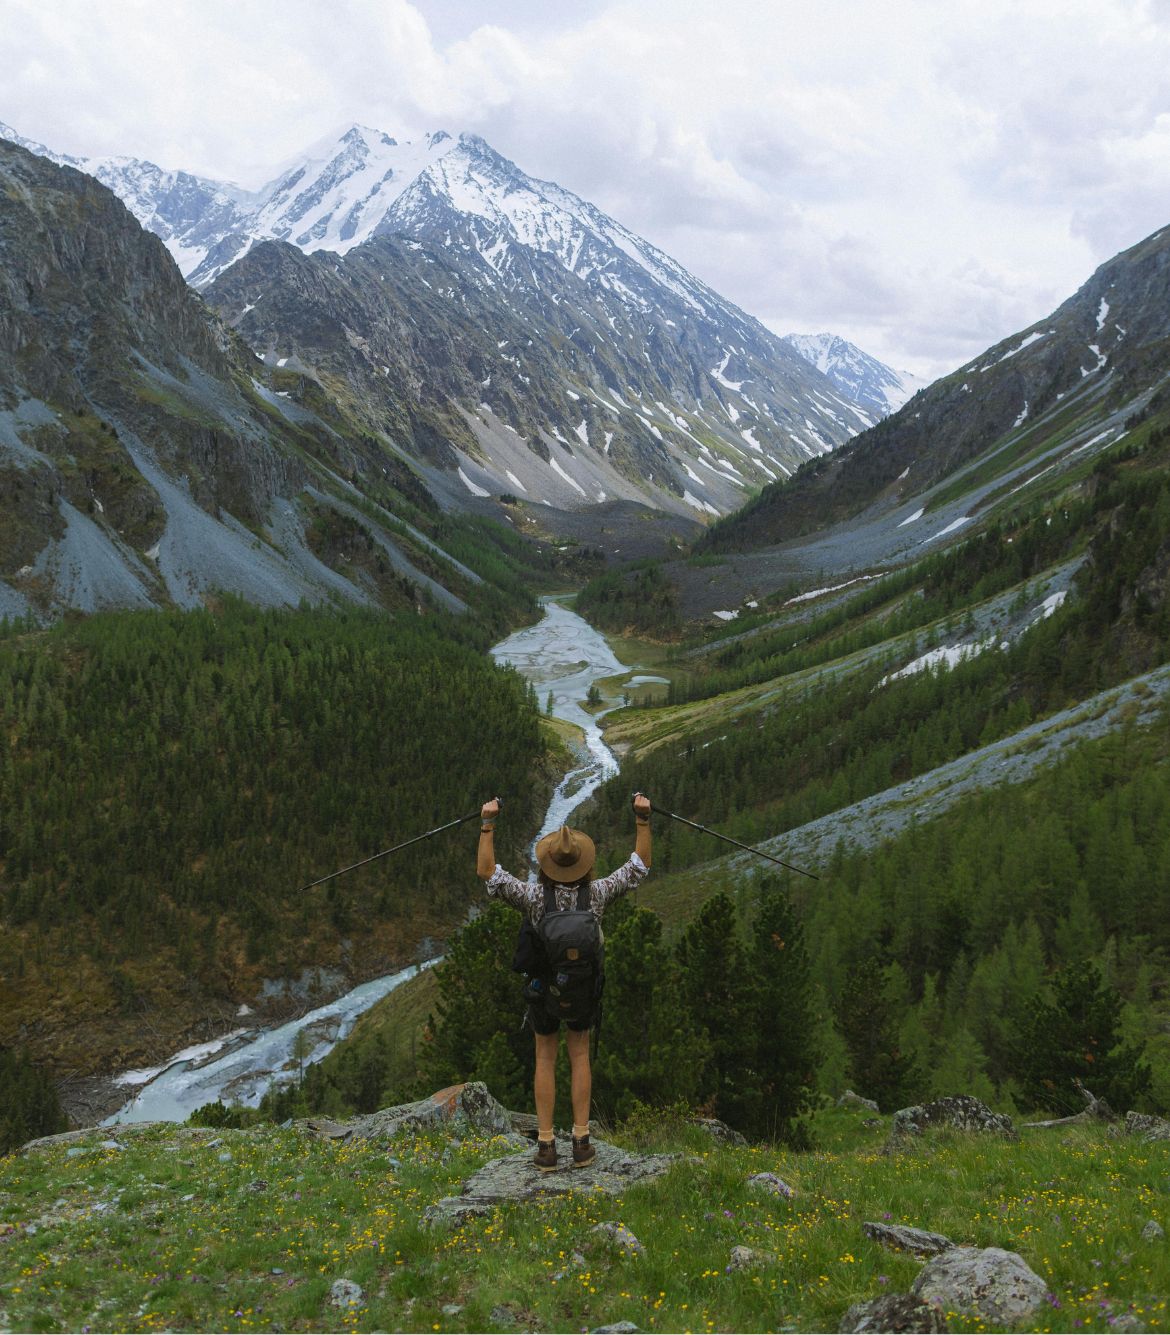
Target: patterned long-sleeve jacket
[528, 896]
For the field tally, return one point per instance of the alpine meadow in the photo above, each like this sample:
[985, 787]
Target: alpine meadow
[336, 509]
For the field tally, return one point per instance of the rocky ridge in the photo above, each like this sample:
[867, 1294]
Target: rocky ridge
[545, 318]
[1043, 398]
[878, 388]
[145, 456]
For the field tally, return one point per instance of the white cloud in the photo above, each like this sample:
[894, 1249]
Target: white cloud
[924, 179]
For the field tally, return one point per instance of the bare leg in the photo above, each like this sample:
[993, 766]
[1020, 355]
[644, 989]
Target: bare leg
[545, 1083]
[582, 1074]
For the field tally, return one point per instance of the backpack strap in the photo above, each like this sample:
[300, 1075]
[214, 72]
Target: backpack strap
[550, 899]
[583, 901]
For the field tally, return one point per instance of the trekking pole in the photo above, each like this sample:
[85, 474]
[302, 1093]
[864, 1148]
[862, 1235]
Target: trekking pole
[728, 840]
[471, 815]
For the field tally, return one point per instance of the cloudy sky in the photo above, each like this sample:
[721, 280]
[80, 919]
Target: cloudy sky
[924, 178]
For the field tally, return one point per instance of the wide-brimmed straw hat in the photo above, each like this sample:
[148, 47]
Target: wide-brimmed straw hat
[565, 855]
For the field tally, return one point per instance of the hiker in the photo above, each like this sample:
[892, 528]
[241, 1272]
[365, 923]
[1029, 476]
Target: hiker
[566, 859]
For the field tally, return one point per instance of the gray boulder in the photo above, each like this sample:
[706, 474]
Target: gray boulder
[1147, 1126]
[515, 1178]
[719, 1131]
[772, 1184]
[892, 1312]
[618, 1328]
[461, 1108]
[960, 1111]
[851, 1100]
[902, 1238]
[986, 1282]
[747, 1258]
[345, 1293]
[1153, 1231]
[620, 1237]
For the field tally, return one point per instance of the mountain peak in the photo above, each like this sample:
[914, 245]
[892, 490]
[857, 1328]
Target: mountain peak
[877, 387]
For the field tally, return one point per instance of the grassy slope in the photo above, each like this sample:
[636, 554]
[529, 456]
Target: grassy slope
[196, 1230]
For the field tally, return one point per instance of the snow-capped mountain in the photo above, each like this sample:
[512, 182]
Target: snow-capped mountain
[878, 388]
[708, 404]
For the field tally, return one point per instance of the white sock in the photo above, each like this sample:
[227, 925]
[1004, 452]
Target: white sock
[580, 1132]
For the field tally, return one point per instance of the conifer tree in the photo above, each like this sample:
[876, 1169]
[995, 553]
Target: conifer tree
[781, 1016]
[647, 1052]
[481, 1003]
[713, 977]
[29, 1106]
[1077, 1036]
[878, 1067]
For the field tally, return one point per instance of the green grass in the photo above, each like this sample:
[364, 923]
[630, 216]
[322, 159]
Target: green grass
[168, 1233]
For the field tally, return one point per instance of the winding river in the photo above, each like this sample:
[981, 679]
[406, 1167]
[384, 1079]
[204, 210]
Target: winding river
[562, 655]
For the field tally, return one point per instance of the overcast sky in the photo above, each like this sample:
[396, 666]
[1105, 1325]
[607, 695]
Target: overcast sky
[923, 177]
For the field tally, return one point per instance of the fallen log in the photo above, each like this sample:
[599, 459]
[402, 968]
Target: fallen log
[1096, 1110]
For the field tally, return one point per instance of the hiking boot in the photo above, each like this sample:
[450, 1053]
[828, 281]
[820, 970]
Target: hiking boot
[546, 1155]
[583, 1152]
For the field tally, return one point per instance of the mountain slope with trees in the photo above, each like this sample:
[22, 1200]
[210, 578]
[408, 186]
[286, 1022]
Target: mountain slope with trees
[169, 781]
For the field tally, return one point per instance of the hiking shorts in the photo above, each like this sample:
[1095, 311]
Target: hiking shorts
[540, 1022]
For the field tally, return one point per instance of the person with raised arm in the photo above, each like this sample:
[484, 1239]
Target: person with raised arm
[562, 911]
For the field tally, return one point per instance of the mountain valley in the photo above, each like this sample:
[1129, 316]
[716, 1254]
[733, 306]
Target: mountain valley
[930, 663]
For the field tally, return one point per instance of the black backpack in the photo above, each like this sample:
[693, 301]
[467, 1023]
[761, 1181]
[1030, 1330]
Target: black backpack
[565, 955]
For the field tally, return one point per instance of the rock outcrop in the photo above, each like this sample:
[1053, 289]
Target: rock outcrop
[994, 1285]
[1147, 1126]
[467, 1107]
[851, 1100]
[719, 1131]
[773, 1185]
[895, 1312]
[903, 1238]
[961, 1112]
[514, 1178]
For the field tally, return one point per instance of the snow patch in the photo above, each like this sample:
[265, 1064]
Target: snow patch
[698, 504]
[561, 472]
[471, 487]
[717, 374]
[1025, 343]
[948, 657]
[1101, 360]
[910, 519]
[950, 528]
[1050, 605]
[832, 588]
